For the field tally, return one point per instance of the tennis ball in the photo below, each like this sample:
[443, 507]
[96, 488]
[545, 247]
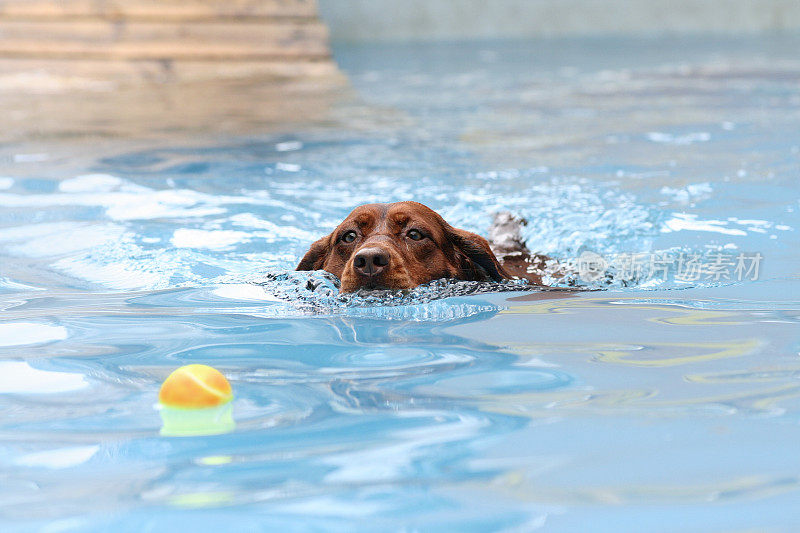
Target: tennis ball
[195, 386]
[182, 422]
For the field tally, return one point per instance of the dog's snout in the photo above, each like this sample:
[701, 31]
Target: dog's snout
[371, 261]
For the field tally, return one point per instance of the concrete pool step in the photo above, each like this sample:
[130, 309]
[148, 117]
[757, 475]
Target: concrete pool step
[158, 10]
[139, 68]
[243, 40]
[122, 39]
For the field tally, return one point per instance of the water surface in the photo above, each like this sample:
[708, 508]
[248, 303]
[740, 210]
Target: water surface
[658, 403]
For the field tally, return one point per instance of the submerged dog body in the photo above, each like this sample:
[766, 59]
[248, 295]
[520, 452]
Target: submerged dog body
[399, 246]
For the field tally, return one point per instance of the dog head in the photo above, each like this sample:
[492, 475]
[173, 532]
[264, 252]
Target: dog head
[399, 246]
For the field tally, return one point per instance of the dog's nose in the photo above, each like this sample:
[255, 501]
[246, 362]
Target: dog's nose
[370, 261]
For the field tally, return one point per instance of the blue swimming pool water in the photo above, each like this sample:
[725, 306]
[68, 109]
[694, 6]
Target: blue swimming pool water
[661, 402]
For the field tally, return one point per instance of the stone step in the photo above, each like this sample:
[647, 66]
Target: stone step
[87, 43]
[156, 10]
[100, 39]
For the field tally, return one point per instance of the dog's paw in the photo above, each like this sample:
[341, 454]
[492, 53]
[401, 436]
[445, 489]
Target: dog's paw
[505, 235]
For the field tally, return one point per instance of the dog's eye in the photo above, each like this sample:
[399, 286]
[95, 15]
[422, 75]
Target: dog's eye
[415, 235]
[349, 236]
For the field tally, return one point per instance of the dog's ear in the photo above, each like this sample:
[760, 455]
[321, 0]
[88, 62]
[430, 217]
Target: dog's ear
[316, 255]
[475, 257]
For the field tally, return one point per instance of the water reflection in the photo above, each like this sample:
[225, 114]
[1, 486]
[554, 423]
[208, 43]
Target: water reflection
[685, 353]
[516, 485]
[690, 316]
[666, 378]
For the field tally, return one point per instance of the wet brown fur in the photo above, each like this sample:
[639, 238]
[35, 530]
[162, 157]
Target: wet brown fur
[443, 252]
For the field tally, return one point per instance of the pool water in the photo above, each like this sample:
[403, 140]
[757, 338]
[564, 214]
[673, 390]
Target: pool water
[661, 400]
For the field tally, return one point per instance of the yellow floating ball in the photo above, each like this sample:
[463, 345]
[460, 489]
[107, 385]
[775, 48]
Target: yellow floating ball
[195, 386]
[182, 422]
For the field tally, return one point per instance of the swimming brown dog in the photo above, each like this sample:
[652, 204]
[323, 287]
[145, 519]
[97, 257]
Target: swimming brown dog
[399, 246]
